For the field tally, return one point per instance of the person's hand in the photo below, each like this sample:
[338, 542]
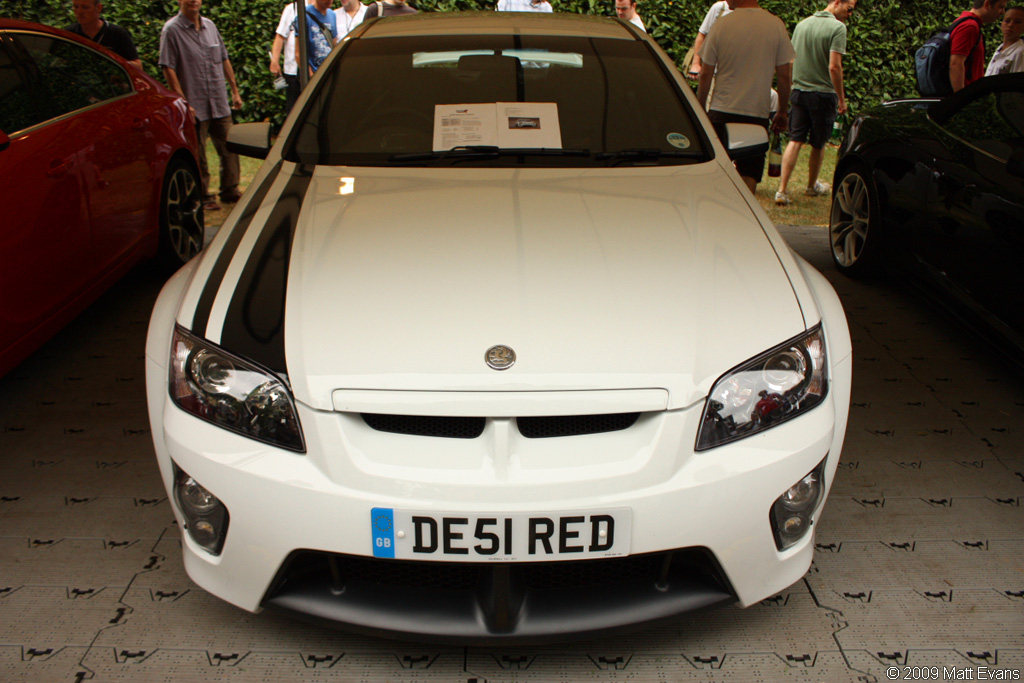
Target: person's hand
[841, 108]
[236, 101]
[275, 69]
[781, 122]
[693, 73]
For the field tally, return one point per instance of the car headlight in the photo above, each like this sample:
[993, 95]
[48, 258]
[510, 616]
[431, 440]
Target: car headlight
[231, 392]
[766, 391]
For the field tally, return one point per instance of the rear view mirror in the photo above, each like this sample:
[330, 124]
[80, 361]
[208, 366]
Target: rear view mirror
[250, 139]
[745, 139]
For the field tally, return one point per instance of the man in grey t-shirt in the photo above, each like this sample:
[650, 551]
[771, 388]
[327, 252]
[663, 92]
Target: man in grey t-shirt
[196, 66]
[748, 47]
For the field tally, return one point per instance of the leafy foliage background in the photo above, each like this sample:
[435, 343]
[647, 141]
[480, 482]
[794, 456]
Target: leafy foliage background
[882, 38]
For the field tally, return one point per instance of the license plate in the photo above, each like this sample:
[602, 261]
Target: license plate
[500, 537]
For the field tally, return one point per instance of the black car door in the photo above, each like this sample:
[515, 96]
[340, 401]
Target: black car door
[975, 200]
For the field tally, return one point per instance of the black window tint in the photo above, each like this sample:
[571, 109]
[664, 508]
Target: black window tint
[18, 109]
[993, 122]
[379, 98]
[72, 76]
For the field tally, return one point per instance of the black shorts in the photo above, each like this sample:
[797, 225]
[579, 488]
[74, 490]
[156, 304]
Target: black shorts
[748, 167]
[814, 113]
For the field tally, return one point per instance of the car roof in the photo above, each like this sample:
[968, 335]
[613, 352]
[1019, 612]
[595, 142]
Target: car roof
[499, 23]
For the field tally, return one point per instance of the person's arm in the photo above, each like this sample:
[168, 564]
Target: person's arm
[835, 72]
[957, 71]
[171, 76]
[229, 74]
[707, 73]
[275, 55]
[695, 65]
[125, 46]
[784, 84]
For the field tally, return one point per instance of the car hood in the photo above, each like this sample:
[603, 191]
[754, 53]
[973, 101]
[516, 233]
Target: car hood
[607, 279]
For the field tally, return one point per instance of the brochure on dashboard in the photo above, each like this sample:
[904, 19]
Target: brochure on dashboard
[532, 125]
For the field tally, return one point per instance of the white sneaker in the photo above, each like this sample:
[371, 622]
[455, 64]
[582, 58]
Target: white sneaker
[782, 199]
[820, 189]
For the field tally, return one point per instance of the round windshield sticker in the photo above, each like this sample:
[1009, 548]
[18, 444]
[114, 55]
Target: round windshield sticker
[678, 140]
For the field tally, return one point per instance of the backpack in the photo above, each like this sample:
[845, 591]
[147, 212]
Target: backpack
[931, 62]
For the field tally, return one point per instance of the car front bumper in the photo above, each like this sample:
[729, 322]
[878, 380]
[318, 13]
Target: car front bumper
[300, 535]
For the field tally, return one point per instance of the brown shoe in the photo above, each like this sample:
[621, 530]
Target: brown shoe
[231, 197]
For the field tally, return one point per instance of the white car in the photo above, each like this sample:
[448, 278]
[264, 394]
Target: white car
[441, 374]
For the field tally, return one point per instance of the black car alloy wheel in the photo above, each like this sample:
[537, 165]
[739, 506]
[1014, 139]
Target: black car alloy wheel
[181, 215]
[853, 223]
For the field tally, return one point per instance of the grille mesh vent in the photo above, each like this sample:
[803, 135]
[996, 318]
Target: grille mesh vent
[574, 425]
[418, 425]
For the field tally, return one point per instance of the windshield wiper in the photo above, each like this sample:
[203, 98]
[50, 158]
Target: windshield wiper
[647, 154]
[466, 152]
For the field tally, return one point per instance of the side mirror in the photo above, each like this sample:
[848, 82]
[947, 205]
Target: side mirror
[744, 140]
[5, 141]
[1015, 165]
[250, 139]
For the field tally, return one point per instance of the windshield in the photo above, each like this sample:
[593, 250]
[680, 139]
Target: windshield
[496, 101]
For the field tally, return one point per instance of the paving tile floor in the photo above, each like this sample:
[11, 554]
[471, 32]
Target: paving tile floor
[919, 562]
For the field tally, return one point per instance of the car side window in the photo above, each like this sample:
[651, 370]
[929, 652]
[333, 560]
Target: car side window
[71, 76]
[993, 122]
[18, 109]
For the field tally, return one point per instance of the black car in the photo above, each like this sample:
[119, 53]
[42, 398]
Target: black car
[935, 189]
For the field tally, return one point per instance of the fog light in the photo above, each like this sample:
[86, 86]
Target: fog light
[801, 495]
[206, 518]
[791, 513]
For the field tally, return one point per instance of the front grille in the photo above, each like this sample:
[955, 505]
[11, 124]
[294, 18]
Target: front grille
[593, 573]
[574, 425]
[426, 575]
[558, 575]
[545, 427]
[420, 425]
[494, 602]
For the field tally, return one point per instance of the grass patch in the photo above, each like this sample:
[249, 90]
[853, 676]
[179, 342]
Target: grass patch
[804, 210]
[249, 167]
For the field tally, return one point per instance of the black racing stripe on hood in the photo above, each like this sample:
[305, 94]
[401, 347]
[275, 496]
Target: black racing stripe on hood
[254, 324]
[201, 317]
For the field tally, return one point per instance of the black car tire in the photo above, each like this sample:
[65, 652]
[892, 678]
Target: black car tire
[181, 215]
[854, 228]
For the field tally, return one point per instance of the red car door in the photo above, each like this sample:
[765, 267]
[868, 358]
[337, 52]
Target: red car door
[45, 235]
[112, 130]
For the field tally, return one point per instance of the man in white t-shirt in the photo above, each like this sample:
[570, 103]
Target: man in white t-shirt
[284, 41]
[715, 12]
[349, 16]
[747, 48]
[524, 6]
[626, 10]
[284, 38]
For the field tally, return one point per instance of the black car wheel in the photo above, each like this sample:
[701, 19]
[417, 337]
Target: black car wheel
[181, 215]
[853, 224]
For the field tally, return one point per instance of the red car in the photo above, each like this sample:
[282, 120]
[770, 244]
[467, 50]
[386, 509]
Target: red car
[98, 171]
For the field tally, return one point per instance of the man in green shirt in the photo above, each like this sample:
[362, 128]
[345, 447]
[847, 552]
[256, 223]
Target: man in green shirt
[818, 94]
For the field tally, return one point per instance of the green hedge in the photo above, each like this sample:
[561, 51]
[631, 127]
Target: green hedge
[879, 65]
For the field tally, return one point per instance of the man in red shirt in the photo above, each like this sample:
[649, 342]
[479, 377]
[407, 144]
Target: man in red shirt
[967, 48]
